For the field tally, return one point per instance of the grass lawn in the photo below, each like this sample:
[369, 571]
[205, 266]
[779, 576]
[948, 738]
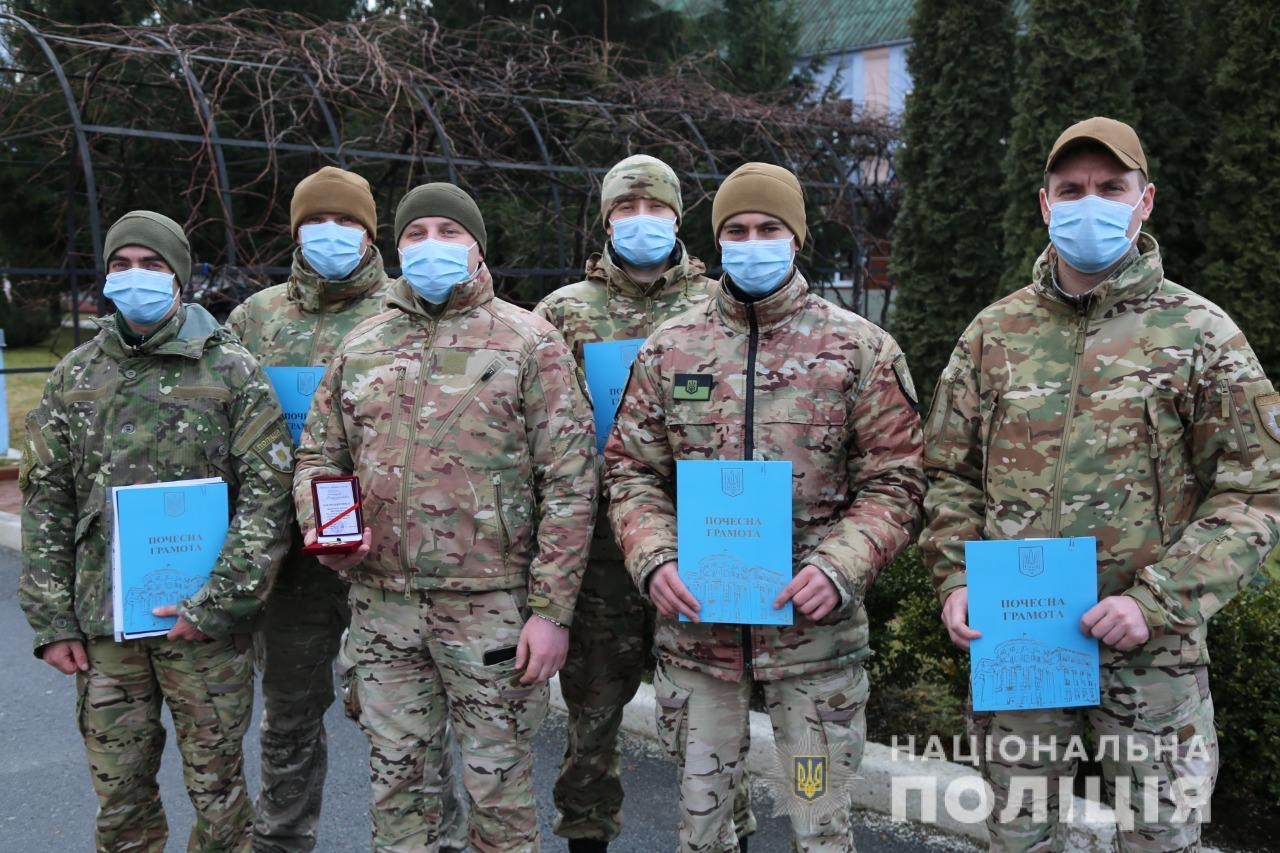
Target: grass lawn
[24, 389]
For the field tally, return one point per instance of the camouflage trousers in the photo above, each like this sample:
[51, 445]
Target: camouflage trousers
[610, 646]
[819, 730]
[295, 645]
[208, 687]
[1153, 733]
[410, 662]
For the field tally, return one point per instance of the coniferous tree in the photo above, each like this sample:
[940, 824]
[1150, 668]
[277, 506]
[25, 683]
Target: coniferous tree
[758, 38]
[947, 237]
[1080, 58]
[1241, 203]
[1169, 94]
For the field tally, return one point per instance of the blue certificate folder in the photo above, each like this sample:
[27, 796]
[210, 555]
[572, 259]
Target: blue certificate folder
[166, 538]
[1026, 596]
[733, 538]
[295, 386]
[607, 365]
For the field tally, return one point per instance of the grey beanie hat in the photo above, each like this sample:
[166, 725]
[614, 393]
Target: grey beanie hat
[156, 232]
[442, 199]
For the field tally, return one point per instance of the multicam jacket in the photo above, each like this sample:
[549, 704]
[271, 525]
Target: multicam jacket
[791, 377]
[188, 402]
[473, 443]
[300, 324]
[609, 306]
[1139, 417]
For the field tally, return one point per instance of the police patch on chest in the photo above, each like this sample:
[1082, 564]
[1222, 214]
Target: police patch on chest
[1268, 408]
[692, 388]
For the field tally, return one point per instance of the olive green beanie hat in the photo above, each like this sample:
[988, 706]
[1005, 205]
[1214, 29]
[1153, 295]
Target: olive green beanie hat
[156, 232]
[760, 188]
[640, 176]
[442, 199]
[333, 190]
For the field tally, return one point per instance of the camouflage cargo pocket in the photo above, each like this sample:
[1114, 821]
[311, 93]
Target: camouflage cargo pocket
[525, 705]
[842, 713]
[228, 680]
[1173, 743]
[671, 701]
[350, 684]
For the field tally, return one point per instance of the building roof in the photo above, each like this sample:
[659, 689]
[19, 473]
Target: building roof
[828, 26]
[836, 26]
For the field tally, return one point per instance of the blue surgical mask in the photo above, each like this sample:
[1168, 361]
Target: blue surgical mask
[644, 241]
[433, 268]
[757, 267]
[1090, 233]
[333, 250]
[142, 296]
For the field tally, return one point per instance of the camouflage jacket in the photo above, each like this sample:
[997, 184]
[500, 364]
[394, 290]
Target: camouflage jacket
[791, 377]
[189, 402]
[1139, 417]
[299, 324]
[473, 443]
[609, 306]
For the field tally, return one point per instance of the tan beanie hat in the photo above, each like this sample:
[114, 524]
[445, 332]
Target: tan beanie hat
[760, 188]
[640, 176]
[333, 190]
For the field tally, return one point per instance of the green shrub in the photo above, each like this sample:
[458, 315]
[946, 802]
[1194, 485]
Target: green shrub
[1245, 675]
[918, 678]
[30, 315]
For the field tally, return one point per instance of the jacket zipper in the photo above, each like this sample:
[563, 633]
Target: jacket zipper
[406, 470]
[443, 429]
[504, 535]
[1061, 468]
[1224, 393]
[749, 442]
[398, 403]
[315, 339]
[1153, 452]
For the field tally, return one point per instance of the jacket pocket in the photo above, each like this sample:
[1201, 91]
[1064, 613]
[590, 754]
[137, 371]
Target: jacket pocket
[1164, 441]
[445, 427]
[940, 427]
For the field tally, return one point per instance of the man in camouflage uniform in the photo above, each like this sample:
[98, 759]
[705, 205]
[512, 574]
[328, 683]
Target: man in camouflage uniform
[463, 419]
[776, 373]
[337, 282]
[161, 393]
[1104, 400]
[643, 277]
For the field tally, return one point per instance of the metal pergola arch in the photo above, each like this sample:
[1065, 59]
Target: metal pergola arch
[824, 171]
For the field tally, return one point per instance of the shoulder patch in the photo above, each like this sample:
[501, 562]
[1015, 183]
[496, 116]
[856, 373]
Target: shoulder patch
[692, 388]
[904, 380]
[1267, 407]
[275, 449]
